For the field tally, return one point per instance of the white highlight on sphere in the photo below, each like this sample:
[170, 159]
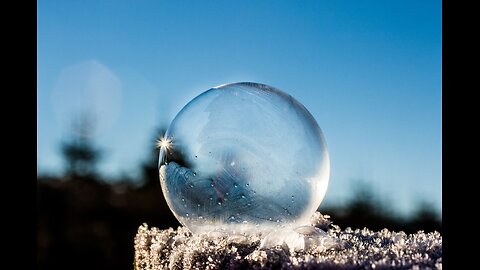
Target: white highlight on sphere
[242, 157]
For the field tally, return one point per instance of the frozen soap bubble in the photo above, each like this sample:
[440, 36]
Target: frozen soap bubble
[243, 156]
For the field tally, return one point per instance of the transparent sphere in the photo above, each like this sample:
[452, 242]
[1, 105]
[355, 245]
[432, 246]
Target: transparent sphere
[243, 156]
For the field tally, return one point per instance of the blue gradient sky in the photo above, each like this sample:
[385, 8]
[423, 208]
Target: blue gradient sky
[368, 71]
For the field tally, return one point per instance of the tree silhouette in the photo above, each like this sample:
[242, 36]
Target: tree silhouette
[80, 154]
[425, 218]
[365, 209]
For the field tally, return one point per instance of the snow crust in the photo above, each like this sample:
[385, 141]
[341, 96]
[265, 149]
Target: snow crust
[322, 245]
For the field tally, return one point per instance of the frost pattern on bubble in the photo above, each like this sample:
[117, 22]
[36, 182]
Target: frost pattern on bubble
[242, 156]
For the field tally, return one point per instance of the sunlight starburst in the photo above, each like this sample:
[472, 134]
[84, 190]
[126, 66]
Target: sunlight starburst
[164, 143]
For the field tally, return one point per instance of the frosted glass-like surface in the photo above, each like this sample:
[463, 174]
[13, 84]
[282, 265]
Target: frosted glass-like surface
[242, 156]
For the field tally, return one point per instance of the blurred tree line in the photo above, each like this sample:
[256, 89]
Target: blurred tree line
[87, 222]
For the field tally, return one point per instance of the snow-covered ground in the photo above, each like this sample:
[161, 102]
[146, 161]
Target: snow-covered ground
[320, 246]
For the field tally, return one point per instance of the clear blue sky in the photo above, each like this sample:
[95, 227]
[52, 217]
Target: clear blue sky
[368, 71]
